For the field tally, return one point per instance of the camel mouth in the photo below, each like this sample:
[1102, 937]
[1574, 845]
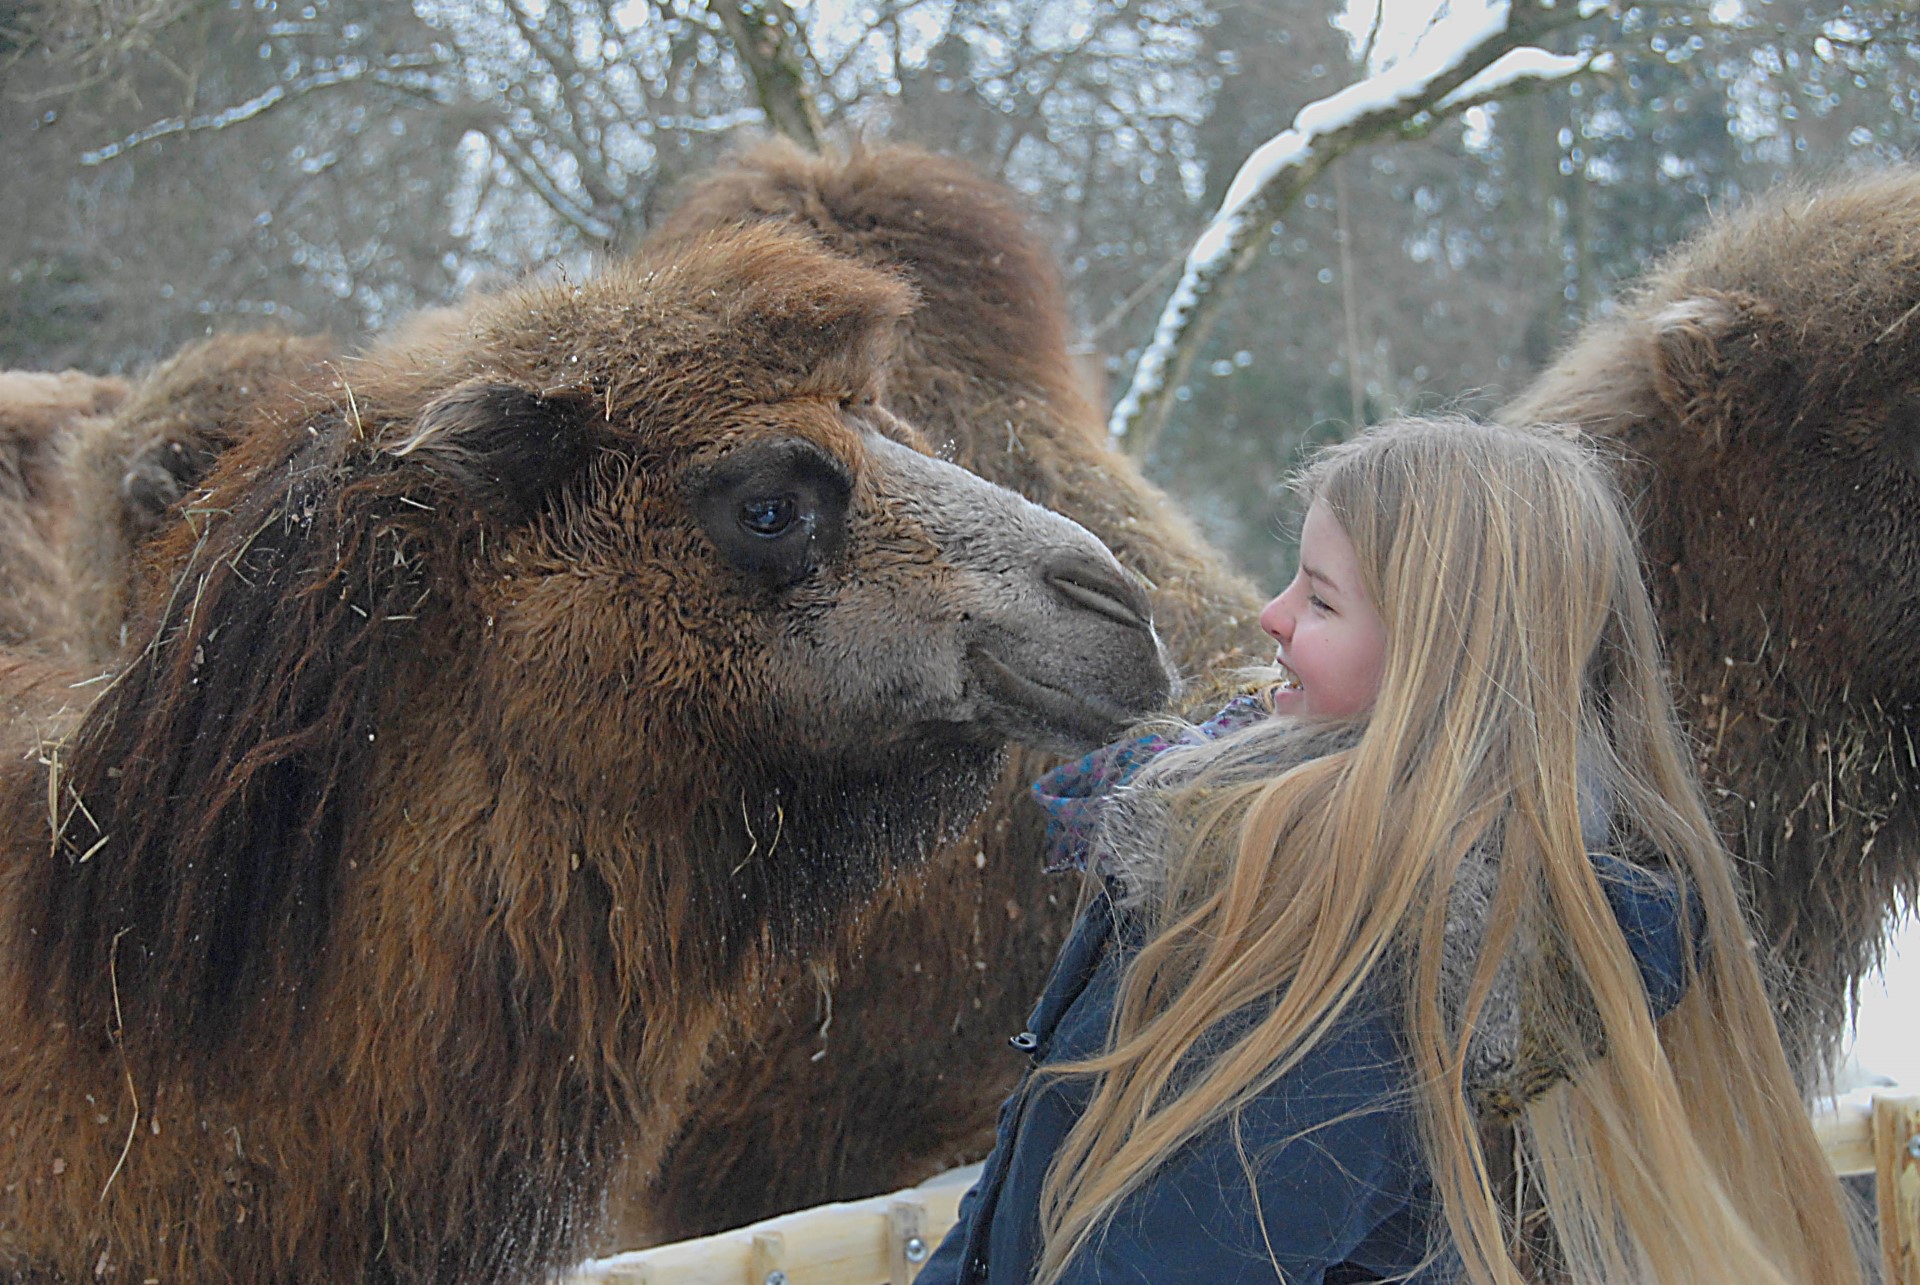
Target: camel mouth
[1044, 715]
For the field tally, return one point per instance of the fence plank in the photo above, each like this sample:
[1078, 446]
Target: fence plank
[871, 1242]
[1844, 1127]
[864, 1242]
[908, 1238]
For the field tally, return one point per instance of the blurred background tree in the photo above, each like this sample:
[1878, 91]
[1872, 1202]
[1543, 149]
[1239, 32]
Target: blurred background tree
[177, 166]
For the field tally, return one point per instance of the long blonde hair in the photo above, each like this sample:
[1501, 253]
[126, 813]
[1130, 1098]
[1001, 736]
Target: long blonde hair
[1521, 659]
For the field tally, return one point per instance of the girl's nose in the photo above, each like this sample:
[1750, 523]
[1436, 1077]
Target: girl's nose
[1277, 620]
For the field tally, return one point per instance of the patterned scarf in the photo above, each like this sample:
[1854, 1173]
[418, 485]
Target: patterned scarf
[1077, 795]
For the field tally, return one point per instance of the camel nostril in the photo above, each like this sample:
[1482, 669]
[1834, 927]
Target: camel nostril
[1106, 591]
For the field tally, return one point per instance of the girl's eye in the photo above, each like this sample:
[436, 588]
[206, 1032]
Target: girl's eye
[1318, 603]
[767, 517]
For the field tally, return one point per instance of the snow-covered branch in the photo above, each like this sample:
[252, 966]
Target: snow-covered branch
[1518, 67]
[1466, 59]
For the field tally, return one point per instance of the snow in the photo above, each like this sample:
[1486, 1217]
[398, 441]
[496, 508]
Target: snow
[1886, 1039]
[1526, 63]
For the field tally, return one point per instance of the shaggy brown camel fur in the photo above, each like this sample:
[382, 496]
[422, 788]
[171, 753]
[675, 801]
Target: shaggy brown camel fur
[94, 463]
[37, 411]
[888, 1065]
[1763, 385]
[521, 699]
[128, 468]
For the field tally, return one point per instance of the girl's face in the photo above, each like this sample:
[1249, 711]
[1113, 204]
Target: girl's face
[1331, 639]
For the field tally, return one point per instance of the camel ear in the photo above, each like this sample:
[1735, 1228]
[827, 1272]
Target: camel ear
[1692, 340]
[505, 448]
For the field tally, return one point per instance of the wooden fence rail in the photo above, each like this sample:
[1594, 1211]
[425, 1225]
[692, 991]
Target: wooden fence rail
[864, 1242]
[883, 1241]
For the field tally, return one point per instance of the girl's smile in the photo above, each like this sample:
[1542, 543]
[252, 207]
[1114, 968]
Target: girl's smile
[1333, 644]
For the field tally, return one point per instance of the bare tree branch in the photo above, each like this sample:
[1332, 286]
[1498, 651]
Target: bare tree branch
[556, 52]
[94, 38]
[1407, 102]
[402, 72]
[774, 50]
[1349, 296]
[535, 175]
[881, 16]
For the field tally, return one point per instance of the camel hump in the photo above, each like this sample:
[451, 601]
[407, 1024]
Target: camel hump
[964, 241]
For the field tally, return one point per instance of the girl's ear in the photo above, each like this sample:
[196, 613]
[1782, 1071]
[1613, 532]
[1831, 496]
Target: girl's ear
[506, 448]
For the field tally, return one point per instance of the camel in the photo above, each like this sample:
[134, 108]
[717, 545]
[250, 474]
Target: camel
[95, 463]
[128, 468]
[1763, 373]
[1762, 387]
[37, 412]
[886, 1062]
[523, 696]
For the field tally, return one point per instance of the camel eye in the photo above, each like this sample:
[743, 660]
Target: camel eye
[774, 510]
[768, 516]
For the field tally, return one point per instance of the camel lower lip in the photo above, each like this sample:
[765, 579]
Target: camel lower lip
[1051, 714]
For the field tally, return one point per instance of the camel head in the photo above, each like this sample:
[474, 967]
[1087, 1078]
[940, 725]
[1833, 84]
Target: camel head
[618, 575]
[703, 514]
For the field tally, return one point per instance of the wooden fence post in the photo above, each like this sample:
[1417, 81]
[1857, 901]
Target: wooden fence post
[767, 1260]
[1896, 1152]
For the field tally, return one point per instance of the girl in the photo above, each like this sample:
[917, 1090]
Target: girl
[1450, 880]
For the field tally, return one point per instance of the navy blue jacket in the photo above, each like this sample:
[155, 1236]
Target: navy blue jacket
[1342, 1190]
